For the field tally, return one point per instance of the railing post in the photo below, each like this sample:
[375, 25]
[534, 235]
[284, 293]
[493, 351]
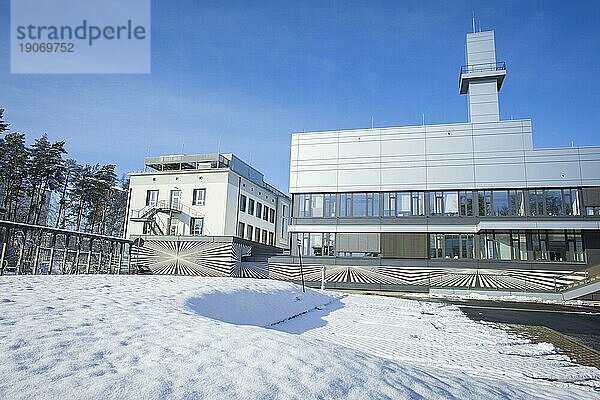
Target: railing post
[2, 258]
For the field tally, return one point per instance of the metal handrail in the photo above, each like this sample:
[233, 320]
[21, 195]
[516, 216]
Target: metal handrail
[485, 67]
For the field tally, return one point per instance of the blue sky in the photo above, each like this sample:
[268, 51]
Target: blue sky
[242, 76]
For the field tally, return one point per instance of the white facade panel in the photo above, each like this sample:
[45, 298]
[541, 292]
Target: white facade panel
[437, 157]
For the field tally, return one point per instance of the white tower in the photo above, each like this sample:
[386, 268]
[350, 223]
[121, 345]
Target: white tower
[482, 77]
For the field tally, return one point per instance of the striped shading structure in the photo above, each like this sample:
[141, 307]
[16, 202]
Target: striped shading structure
[233, 258]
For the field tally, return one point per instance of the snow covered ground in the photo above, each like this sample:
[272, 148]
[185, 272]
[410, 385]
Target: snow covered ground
[161, 337]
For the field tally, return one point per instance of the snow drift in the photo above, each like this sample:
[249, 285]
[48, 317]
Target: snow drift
[245, 303]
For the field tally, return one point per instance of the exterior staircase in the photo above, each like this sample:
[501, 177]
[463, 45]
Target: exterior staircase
[148, 215]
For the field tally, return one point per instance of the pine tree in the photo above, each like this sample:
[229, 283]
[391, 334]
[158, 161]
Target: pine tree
[3, 125]
[13, 172]
[70, 167]
[46, 174]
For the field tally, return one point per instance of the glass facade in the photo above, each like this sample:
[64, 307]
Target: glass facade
[482, 203]
[546, 246]
[451, 245]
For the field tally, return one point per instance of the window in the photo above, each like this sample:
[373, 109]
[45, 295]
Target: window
[311, 244]
[329, 205]
[196, 226]
[265, 235]
[265, 215]
[257, 234]
[500, 203]
[571, 201]
[147, 228]
[359, 204]
[345, 204]
[539, 245]
[485, 202]
[329, 244]
[272, 216]
[199, 197]
[175, 200]
[591, 211]
[403, 204]
[151, 197]
[284, 221]
[536, 202]
[251, 206]
[516, 202]
[173, 226]
[436, 203]
[305, 206]
[554, 202]
[451, 245]
[372, 204]
[443, 203]
[243, 203]
[271, 239]
[316, 205]
[389, 204]
[418, 203]
[465, 203]
[258, 209]
[249, 231]
[519, 246]
[241, 229]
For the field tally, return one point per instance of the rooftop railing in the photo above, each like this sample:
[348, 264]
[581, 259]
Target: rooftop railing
[486, 67]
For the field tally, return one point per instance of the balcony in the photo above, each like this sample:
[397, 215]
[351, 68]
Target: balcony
[469, 73]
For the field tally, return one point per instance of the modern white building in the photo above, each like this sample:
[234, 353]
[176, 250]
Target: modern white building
[205, 214]
[470, 204]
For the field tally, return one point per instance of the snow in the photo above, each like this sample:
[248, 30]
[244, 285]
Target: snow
[134, 337]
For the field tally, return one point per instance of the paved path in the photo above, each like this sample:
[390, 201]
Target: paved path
[437, 335]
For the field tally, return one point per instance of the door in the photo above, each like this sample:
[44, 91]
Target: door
[175, 199]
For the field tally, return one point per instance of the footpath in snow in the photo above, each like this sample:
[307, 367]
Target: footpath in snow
[163, 337]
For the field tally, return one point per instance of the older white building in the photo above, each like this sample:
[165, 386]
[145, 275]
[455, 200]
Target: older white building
[454, 205]
[205, 215]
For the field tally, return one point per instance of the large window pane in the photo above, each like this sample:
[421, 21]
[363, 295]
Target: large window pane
[466, 203]
[359, 204]
[346, 205]
[436, 203]
[500, 203]
[316, 244]
[418, 203]
[536, 202]
[504, 246]
[436, 245]
[485, 202]
[571, 202]
[450, 203]
[389, 204]
[452, 246]
[467, 249]
[329, 244]
[404, 204]
[554, 202]
[330, 208]
[316, 205]
[516, 202]
[372, 204]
